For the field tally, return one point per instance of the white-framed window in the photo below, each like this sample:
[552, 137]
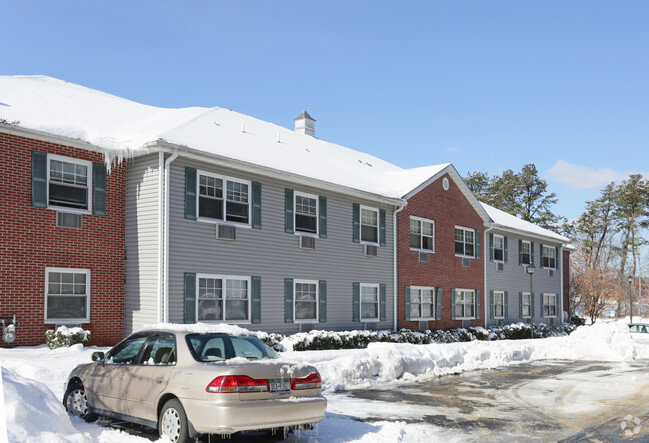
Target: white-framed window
[464, 242]
[549, 305]
[499, 248]
[67, 295]
[526, 252]
[422, 303]
[69, 183]
[549, 257]
[369, 302]
[422, 234]
[305, 301]
[369, 225]
[223, 298]
[464, 304]
[222, 198]
[526, 305]
[499, 304]
[306, 213]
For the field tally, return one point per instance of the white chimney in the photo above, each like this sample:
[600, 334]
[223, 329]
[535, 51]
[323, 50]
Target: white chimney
[305, 124]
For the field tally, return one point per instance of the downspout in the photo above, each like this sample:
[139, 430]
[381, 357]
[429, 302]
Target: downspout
[562, 294]
[395, 250]
[161, 169]
[166, 234]
[485, 260]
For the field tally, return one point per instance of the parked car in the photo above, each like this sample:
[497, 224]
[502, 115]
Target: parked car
[188, 383]
[640, 332]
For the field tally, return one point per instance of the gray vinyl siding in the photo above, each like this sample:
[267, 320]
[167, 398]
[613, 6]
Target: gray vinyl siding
[274, 255]
[141, 300]
[514, 279]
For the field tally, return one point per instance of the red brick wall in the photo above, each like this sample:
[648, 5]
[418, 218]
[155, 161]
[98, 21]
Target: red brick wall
[443, 269]
[30, 242]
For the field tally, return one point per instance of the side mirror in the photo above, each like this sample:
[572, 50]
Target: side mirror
[98, 356]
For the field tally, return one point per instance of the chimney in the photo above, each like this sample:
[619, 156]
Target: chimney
[305, 124]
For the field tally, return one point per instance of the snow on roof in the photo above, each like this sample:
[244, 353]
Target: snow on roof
[505, 220]
[123, 128]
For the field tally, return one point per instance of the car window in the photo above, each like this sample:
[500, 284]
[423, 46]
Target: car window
[633, 328]
[126, 351]
[246, 348]
[160, 350]
[216, 347]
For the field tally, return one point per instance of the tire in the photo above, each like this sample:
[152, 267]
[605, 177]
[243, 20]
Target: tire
[76, 403]
[172, 422]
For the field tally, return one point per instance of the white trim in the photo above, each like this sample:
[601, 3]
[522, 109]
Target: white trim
[499, 317]
[225, 179]
[475, 306]
[161, 226]
[360, 225]
[167, 191]
[89, 177]
[493, 248]
[422, 220]
[317, 214]
[224, 298]
[474, 242]
[555, 256]
[378, 302]
[395, 270]
[87, 295]
[317, 302]
[433, 303]
[549, 294]
[531, 253]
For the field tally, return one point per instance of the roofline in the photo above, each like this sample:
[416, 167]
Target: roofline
[530, 234]
[450, 170]
[195, 154]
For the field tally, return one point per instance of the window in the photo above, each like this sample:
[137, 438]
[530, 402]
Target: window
[231, 205]
[464, 303]
[126, 352]
[549, 305]
[160, 350]
[369, 302]
[526, 305]
[499, 248]
[422, 302]
[499, 304]
[306, 213]
[369, 225]
[422, 234]
[67, 295]
[464, 242]
[526, 252]
[306, 301]
[69, 183]
[223, 298]
[549, 257]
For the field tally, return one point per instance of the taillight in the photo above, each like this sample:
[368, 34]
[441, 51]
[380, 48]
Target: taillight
[236, 383]
[311, 381]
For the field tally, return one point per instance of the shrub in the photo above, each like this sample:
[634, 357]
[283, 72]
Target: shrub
[66, 337]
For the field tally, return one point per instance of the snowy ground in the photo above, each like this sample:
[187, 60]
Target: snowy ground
[33, 380]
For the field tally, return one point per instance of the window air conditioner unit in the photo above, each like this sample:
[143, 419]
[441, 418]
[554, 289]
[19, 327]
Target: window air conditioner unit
[466, 262]
[500, 266]
[371, 250]
[67, 220]
[307, 242]
[423, 256]
[226, 232]
[550, 272]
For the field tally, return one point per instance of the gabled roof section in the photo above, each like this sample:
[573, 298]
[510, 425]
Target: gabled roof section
[506, 221]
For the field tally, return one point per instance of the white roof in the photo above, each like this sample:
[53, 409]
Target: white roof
[122, 128]
[505, 220]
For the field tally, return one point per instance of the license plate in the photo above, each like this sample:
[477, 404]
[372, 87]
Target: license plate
[281, 385]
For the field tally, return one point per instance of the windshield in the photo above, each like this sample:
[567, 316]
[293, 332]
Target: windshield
[218, 347]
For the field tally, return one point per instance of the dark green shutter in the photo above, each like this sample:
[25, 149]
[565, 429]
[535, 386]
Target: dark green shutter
[531, 253]
[190, 298]
[256, 205]
[356, 303]
[323, 217]
[532, 306]
[288, 300]
[322, 302]
[491, 247]
[559, 308]
[478, 304]
[541, 313]
[506, 305]
[382, 301]
[99, 192]
[541, 255]
[288, 211]
[438, 311]
[520, 251]
[39, 179]
[520, 304]
[407, 304]
[558, 252]
[256, 299]
[491, 303]
[190, 193]
[477, 254]
[452, 304]
[382, 227]
[505, 251]
[356, 220]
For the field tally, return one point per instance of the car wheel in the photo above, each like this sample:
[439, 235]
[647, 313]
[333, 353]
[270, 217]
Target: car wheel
[76, 402]
[172, 422]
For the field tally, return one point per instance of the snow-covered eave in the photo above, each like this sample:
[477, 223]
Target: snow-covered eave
[252, 168]
[457, 179]
[528, 234]
[110, 155]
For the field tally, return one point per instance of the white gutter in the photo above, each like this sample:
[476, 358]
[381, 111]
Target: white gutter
[161, 176]
[166, 236]
[561, 272]
[485, 260]
[395, 250]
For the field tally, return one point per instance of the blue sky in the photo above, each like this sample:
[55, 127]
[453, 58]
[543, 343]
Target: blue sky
[485, 85]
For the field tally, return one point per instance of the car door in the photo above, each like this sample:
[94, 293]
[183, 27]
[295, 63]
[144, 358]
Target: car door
[147, 380]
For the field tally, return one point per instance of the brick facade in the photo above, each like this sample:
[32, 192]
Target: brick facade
[443, 269]
[30, 241]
